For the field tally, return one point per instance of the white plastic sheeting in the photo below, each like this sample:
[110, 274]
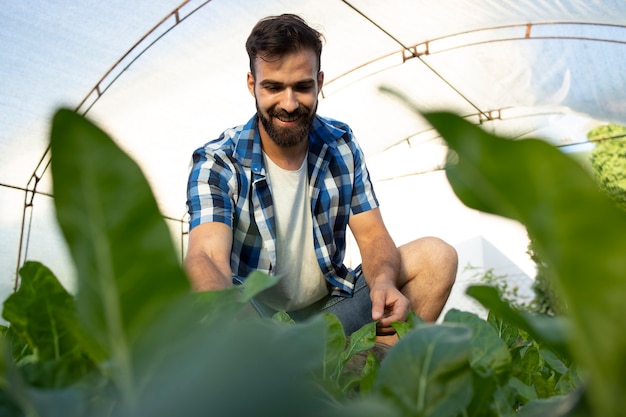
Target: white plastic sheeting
[164, 77]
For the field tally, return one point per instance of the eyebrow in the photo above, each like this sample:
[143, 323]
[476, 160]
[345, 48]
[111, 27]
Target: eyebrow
[273, 83]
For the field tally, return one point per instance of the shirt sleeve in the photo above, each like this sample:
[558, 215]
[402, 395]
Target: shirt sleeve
[210, 188]
[363, 195]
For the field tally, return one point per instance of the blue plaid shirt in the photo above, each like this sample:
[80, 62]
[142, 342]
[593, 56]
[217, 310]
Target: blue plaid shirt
[227, 184]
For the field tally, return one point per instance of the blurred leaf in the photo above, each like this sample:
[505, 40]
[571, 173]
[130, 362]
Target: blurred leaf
[42, 314]
[128, 271]
[282, 317]
[335, 343]
[524, 391]
[414, 320]
[359, 407]
[490, 355]
[369, 373]
[427, 373]
[250, 367]
[256, 282]
[572, 405]
[547, 329]
[490, 360]
[215, 305]
[233, 302]
[485, 389]
[553, 361]
[576, 229]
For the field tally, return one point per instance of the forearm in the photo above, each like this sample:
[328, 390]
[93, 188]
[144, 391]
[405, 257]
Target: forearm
[380, 261]
[381, 267]
[205, 274]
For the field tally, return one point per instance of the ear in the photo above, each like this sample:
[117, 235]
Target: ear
[320, 81]
[250, 82]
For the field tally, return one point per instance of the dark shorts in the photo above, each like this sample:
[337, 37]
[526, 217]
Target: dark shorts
[353, 312]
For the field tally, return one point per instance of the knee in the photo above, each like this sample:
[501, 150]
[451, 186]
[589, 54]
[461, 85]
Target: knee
[445, 258]
[433, 257]
[445, 252]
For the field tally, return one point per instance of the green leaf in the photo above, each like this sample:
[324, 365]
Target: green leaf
[427, 373]
[503, 403]
[523, 391]
[256, 282]
[283, 317]
[403, 327]
[572, 405]
[485, 390]
[490, 355]
[244, 367]
[128, 270]
[362, 339]
[39, 312]
[553, 331]
[335, 343]
[217, 305]
[553, 361]
[366, 406]
[576, 229]
[43, 315]
[369, 373]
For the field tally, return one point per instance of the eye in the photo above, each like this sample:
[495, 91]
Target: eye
[272, 87]
[304, 87]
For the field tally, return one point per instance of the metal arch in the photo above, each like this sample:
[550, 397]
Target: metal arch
[425, 48]
[30, 191]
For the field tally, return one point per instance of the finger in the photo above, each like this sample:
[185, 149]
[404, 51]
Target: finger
[386, 321]
[395, 312]
[378, 306]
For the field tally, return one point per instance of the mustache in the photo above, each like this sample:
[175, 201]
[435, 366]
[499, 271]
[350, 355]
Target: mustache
[300, 111]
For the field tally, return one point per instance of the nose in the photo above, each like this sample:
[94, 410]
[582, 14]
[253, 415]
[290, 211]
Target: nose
[289, 101]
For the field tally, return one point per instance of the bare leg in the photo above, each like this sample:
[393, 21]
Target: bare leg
[429, 267]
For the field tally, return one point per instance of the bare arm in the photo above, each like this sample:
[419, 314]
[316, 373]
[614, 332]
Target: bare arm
[381, 267]
[208, 257]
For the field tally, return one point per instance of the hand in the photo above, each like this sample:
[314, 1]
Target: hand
[388, 305]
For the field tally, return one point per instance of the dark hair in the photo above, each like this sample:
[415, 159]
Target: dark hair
[274, 36]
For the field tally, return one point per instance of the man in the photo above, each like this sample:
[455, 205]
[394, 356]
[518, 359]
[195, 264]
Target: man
[277, 194]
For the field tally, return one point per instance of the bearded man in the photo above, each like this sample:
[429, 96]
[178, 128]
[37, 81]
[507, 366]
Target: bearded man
[278, 194]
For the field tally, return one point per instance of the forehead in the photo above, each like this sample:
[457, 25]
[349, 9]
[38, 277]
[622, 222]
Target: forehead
[296, 65]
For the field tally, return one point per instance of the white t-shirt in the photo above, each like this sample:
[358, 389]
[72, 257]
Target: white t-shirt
[301, 280]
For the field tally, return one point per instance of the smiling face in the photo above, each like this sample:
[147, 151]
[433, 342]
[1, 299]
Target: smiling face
[285, 91]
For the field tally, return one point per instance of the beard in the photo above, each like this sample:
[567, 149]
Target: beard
[288, 137]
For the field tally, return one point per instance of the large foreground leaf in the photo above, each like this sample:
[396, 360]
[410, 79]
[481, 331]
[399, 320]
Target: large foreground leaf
[254, 367]
[127, 268]
[577, 230]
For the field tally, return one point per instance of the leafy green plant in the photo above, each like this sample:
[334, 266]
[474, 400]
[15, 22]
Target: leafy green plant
[547, 299]
[150, 346]
[506, 291]
[607, 160]
[576, 229]
[134, 340]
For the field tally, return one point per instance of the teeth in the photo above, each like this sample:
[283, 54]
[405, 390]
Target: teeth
[288, 119]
